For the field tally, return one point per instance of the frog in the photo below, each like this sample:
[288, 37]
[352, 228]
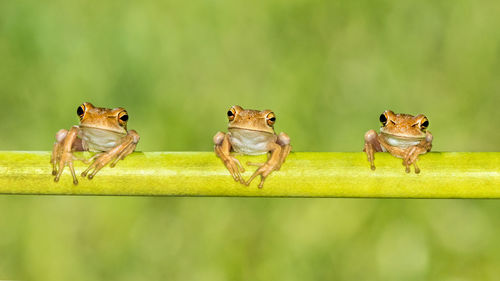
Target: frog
[402, 135]
[101, 130]
[251, 132]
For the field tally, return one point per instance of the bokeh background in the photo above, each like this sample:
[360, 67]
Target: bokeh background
[327, 68]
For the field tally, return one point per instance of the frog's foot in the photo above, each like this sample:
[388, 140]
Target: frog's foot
[91, 159]
[408, 170]
[407, 164]
[62, 155]
[372, 145]
[417, 169]
[66, 159]
[116, 154]
[263, 171]
[412, 157]
[233, 165]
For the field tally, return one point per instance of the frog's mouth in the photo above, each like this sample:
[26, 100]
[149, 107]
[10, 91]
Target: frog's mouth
[102, 129]
[246, 129]
[403, 138]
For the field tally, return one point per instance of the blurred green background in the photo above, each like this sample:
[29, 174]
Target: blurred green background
[327, 68]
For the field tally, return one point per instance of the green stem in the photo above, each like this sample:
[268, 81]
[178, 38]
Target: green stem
[304, 174]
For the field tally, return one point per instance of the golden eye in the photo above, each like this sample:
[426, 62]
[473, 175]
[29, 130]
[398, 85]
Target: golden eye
[424, 125]
[123, 118]
[271, 119]
[231, 113]
[81, 111]
[383, 119]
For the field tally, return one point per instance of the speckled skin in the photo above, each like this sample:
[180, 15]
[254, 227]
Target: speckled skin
[251, 132]
[100, 130]
[404, 136]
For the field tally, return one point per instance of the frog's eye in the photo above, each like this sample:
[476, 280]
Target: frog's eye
[231, 113]
[123, 118]
[383, 119]
[271, 119]
[424, 125]
[81, 111]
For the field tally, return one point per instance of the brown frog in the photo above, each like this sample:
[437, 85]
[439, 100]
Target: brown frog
[403, 135]
[101, 130]
[251, 132]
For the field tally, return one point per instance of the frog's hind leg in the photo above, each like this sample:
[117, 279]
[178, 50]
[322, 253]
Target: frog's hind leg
[62, 153]
[116, 154]
[372, 145]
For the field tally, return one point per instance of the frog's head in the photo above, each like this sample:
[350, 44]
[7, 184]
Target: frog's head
[114, 120]
[403, 125]
[249, 119]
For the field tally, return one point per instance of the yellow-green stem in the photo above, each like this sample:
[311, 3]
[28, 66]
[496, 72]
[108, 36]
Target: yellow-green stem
[304, 174]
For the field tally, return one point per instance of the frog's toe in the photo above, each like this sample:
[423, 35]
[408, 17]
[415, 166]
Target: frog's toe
[417, 169]
[261, 184]
[238, 164]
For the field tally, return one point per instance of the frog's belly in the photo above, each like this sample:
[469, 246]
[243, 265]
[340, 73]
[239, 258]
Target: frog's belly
[99, 140]
[402, 143]
[399, 142]
[250, 142]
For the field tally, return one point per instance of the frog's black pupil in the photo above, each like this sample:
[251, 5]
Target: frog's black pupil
[79, 111]
[273, 119]
[230, 113]
[425, 124]
[383, 119]
[124, 118]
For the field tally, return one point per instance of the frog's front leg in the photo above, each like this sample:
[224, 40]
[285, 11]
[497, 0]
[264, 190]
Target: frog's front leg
[412, 154]
[62, 153]
[284, 142]
[372, 145]
[272, 164]
[223, 151]
[116, 154]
